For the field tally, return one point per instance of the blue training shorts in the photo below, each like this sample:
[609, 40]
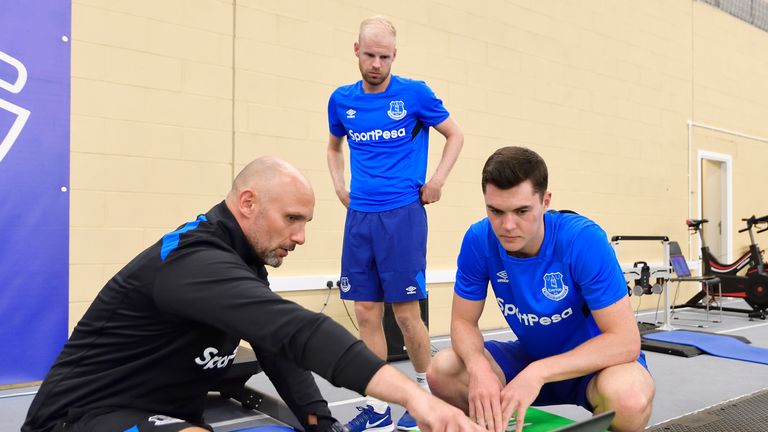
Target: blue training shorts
[385, 255]
[512, 359]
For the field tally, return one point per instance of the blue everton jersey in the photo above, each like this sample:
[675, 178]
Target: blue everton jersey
[388, 137]
[546, 299]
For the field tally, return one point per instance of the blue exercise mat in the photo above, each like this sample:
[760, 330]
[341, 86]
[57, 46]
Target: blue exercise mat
[713, 344]
[267, 428]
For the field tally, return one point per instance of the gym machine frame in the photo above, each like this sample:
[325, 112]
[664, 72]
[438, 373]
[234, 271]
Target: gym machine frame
[662, 273]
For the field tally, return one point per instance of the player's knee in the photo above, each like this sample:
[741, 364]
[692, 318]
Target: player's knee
[409, 326]
[632, 404]
[448, 379]
[368, 314]
[409, 323]
[443, 368]
[628, 390]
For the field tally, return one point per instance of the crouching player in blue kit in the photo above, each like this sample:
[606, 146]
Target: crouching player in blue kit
[559, 285]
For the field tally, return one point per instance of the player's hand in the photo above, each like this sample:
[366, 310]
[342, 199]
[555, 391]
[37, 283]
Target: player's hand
[430, 193]
[434, 415]
[518, 395]
[484, 397]
[343, 195]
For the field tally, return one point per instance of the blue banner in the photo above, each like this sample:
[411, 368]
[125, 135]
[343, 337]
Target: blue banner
[34, 185]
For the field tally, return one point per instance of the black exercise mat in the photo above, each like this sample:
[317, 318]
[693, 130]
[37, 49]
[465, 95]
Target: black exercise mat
[745, 414]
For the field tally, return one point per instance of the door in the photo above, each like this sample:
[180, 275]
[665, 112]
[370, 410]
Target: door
[714, 205]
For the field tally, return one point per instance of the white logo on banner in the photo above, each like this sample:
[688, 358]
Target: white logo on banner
[21, 114]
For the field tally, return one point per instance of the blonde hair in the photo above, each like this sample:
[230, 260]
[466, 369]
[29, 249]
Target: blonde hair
[379, 21]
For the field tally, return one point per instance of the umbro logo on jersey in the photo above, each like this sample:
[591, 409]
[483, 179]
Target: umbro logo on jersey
[209, 359]
[411, 290]
[351, 113]
[502, 276]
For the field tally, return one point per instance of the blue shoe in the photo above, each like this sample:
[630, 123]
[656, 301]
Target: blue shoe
[370, 421]
[407, 423]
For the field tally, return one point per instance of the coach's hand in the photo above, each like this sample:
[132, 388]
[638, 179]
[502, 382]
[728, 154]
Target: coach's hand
[323, 423]
[434, 415]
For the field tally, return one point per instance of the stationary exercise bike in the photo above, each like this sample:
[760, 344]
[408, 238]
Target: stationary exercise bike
[752, 286]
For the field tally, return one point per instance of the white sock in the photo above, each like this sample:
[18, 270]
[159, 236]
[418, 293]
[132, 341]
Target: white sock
[421, 379]
[378, 405]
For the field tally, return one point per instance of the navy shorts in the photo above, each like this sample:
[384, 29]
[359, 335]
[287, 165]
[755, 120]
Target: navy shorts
[385, 255]
[512, 359]
[126, 420]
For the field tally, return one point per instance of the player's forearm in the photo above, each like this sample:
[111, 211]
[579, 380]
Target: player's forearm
[451, 150]
[391, 385]
[336, 167]
[467, 342]
[598, 353]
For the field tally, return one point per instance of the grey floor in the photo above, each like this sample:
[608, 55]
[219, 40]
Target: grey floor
[684, 385]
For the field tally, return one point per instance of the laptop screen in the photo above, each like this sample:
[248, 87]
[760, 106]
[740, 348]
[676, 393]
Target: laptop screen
[680, 265]
[598, 423]
[678, 260]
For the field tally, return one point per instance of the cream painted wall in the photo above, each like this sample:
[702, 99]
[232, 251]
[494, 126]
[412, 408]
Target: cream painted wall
[171, 98]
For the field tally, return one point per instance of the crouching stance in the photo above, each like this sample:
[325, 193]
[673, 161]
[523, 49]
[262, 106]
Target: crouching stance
[560, 288]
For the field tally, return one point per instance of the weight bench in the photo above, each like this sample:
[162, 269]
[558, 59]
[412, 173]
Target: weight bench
[220, 409]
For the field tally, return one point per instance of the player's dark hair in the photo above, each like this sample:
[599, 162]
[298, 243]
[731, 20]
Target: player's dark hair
[509, 166]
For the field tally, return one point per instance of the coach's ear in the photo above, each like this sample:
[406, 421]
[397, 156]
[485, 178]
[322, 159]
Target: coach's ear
[248, 202]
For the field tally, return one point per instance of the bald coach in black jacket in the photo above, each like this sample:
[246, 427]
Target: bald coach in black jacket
[164, 330]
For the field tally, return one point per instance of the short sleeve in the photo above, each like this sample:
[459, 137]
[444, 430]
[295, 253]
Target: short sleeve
[431, 112]
[596, 269]
[335, 125]
[471, 274]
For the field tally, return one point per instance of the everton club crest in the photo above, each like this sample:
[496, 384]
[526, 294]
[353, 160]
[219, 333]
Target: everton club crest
[344, 284]
[554, 288]
[396, 110]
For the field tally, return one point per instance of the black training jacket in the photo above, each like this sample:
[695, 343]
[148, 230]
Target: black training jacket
[164, 330]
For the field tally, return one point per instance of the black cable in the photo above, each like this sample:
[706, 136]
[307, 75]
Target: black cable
[328, 284]
[350, 316]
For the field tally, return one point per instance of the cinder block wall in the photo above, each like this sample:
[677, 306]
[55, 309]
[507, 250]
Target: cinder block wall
[171, 98]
